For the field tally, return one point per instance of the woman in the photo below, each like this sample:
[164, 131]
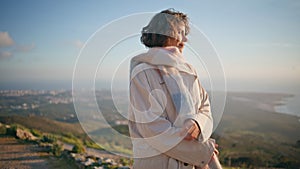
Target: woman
[170, 120]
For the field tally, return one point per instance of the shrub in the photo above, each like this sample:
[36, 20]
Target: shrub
[2, 129]
[92, 144]
[78, 148]
[57, 149]
[36, 133]
[126, 161]
[12, 130]
[49, 139]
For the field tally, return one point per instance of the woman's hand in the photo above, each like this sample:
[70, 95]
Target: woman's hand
[190, 130]
[216, 151]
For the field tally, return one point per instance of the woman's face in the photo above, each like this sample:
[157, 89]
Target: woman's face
[180, 38]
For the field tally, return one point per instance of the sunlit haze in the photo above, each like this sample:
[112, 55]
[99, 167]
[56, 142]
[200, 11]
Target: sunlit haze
[258, 42]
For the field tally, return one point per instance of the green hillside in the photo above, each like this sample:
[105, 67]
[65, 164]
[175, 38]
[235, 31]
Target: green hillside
[250, 135]
[44, 124]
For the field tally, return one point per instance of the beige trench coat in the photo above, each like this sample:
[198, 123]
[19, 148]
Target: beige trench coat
[169, 150]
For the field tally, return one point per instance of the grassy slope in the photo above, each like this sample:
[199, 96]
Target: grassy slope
[251, 131]
[44, 124]
[19, 154]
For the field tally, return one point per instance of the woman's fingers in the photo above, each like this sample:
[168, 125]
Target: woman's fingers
[195, 133]
[216, 150]
[216, 145]
[188, 137]
[190, 130]
[187, 128]
[194, 130]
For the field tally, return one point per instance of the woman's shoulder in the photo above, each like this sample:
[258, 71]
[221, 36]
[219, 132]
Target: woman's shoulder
[191, 67]
[142, 67]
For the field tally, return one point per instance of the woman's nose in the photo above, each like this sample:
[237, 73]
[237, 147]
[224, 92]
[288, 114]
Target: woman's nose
[184, 39]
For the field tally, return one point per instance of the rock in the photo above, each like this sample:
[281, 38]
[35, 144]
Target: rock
[108, 161]
[88, 162]
[98, 167]
[80, 158]
[24, 135]
[73, 155]
[99, 161]
[124, 167]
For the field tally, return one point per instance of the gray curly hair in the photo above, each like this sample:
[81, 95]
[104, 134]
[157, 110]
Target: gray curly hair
[163, 27]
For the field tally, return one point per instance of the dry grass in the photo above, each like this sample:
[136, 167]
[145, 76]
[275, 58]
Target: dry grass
[17, 154]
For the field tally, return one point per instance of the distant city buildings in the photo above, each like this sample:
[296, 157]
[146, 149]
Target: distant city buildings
[49, 97]
[57, 104]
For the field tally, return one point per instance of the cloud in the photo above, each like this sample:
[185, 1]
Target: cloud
[24, 48]
[5, 55]
[78, 44]
[5, 40]
[8, 47]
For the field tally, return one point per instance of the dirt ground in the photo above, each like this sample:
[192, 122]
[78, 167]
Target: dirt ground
[17, 155]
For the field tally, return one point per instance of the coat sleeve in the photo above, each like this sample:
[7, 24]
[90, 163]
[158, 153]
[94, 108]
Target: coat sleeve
[159, 133]
[203, 116]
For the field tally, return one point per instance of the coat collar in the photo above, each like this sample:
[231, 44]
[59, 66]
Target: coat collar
[163, 56]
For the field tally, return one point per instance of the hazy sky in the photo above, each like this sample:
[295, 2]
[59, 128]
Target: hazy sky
[258, 41]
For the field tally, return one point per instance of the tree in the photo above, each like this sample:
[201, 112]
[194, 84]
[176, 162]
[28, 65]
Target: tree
[49, 139]
[78, 148]
[57, 149]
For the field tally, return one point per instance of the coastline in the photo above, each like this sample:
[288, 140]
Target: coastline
[250, 123]
[257, 112]
[289, 105]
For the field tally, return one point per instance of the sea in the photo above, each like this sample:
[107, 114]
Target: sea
[290, 105]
